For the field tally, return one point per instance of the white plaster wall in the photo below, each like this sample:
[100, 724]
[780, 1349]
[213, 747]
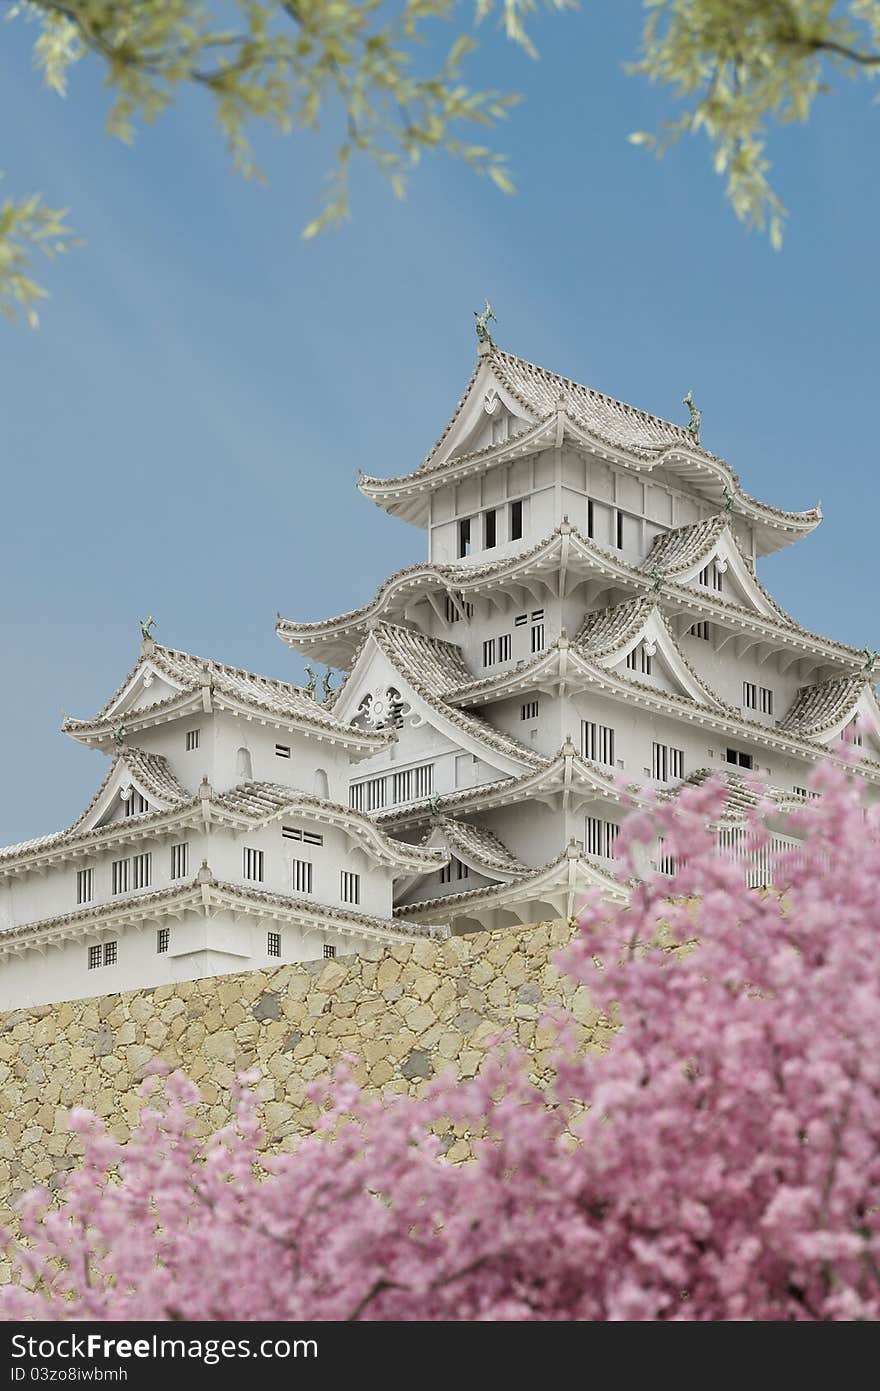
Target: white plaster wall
[198, 947]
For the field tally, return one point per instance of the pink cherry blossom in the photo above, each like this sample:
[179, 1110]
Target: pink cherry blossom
[720, 1161]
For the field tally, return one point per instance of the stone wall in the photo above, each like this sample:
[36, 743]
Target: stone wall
[408, 1012]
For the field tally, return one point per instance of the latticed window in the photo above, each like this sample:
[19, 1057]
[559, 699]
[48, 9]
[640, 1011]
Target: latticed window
[135, 804]
[141, 871]
[273, 943]
[504, 647]
[95, 957]
[192, 739]
[329, 951]
[119, 874]
[530, 710]
[110, 950]
[180, 860]
[712, 577]
[350, 887]
[253, 864]
[597, 742]
[85, 885]
[454, 870]
[282, 751]
[302, 876]
[667, 763]
[600, 836]
[639, 659]
[163, 939]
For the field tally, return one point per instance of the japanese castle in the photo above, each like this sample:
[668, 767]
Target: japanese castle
[588, 622]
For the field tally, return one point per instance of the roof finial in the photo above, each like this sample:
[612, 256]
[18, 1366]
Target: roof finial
[484, 337]
[870, 660]
[147, 626]
[728, 500]
[327, 684]
[312, 681]
[119, 736]
[693, 425]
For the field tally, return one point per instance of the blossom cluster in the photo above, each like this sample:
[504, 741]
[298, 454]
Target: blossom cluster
[721, 1160]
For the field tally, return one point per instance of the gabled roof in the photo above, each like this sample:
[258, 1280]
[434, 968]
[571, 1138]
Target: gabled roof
[429, 668]
[477, 846]
[201, 896]
[566, 774]
[248, 805]
[587, 419]
[337, 639]
[542, 392]
[197, 679]
[675, 553]
[438, 666]
[559, 885]
[743, 792]
[607, 634]
[605, 631]
[818, 709]
[684, 546]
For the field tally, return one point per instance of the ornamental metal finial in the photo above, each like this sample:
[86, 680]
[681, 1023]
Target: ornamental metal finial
[482, 324]
[434, 806]
[147, 626]
[658, 580]
[728, 500]
[312, 681]
[326, 686]
[119, 735]
[870, 660]
[693, 425]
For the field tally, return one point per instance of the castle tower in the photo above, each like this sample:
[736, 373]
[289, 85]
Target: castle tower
[589, 618]
[219, 840]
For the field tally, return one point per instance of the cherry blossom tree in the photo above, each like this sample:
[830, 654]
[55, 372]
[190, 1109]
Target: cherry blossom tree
[719, 1161]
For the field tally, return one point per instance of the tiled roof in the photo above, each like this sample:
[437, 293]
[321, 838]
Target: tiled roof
[191, 673]
[255, 801]
[606, 630]
[449, 576]
[439, 666]
[681, 548]
[175, 898]
[464, 576]
[418, 660]
[816, 709]
[470, 841]
[445, 903]
[743, 792]
[151, 773]
[542, 392]
[676, 551]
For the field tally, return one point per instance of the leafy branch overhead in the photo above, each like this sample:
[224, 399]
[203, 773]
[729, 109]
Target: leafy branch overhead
[286, 64]
[736, 64]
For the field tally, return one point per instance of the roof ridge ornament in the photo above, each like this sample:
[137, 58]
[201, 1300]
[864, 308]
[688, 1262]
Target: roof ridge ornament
[148, 642]
[696, 420]
[870, 660]
[482, 319]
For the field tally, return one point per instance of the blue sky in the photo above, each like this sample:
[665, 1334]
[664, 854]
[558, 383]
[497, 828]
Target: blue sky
[182, 435]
